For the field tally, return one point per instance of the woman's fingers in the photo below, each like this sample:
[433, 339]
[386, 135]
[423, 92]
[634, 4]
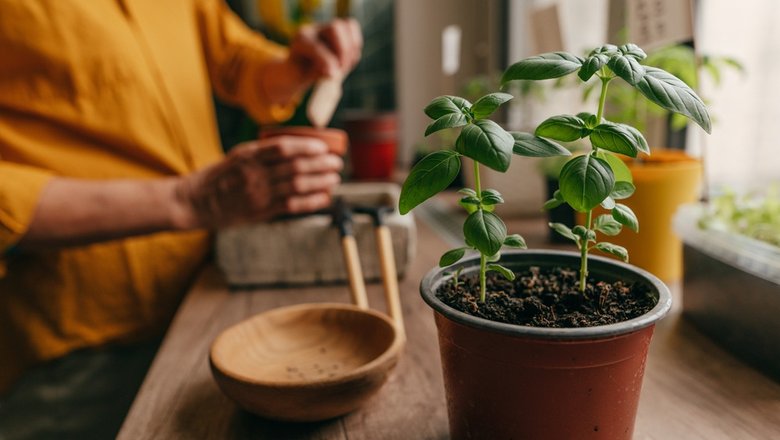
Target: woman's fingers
[320, 59]
[356, 38]
[285, 148]
[305, 184]
[345, 43]
[329, 50]
[306, 165]
[307, 203]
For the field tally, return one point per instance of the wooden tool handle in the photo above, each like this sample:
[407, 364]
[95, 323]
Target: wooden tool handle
[323, 101]
[357, 286]
[384, 243]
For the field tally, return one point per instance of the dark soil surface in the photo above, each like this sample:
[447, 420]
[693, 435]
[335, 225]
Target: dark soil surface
[548, 298]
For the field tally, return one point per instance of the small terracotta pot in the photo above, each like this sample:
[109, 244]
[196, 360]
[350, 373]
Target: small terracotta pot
[373, 139]
[336, 139]
[507, 381]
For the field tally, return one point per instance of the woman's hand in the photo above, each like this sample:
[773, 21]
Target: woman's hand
[328, 50]
[258, 181]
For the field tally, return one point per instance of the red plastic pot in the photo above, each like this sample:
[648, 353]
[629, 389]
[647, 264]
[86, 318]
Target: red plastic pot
[373, 140]
[508, 381]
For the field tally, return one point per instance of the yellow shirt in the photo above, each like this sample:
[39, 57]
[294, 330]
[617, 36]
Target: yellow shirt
[105, 89]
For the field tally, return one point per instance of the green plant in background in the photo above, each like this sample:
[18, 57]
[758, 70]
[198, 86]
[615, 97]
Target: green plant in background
[600, 177]
[755, 215]
[487, 143]
[624, 104]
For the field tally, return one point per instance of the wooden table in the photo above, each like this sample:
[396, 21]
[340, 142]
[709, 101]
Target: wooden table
[692, 389]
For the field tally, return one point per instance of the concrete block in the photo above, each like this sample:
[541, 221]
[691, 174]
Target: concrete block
[307, 250]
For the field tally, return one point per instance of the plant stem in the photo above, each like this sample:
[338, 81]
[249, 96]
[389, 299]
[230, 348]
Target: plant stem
[603, 98]
[584, 245]
[482, 258]
[584, 256]
[477, 184]
[482, 282]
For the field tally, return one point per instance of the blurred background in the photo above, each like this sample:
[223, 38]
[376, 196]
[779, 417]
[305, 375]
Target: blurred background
[416, 50]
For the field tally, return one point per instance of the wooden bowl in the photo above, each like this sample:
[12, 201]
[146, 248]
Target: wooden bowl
[306, 362]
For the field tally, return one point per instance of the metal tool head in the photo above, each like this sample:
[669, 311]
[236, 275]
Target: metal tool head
[377, 213]
[342, 216]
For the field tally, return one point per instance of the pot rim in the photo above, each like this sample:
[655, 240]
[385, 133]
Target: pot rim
[597, 265]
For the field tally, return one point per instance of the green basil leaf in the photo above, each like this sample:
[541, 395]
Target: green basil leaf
[444, 105]
[450, 120]
[452, 256]
[616, 138]
[515, 241]
[526, 144]
[626, 67]
[491, 197]
[469, 200]
[552, 204]
[485, 231]
[486, 105]
[622, 190]
[468, 192]
[585, 181]
[506, 273]
[619, 168]
[545, 66]
[493, 258]
[639, 139]
[583, 233]
[607, 49]
[625, 216]
[633, 50]
[592, 65]
[487, 143]
[470, 208]
[607, 225]
[565, 128]
[490, 201]
[429, 176]
[673, 94]
[613, 249]
[590, 119]
[608, 203]
[565, 231]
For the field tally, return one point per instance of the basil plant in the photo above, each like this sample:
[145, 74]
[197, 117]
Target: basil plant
[600, 177]
[488, 144]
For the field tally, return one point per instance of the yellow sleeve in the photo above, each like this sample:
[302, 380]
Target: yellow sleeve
[236, 57]
[20, 189]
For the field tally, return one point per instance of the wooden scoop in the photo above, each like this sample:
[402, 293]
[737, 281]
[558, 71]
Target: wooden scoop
[323, 101]
[310, 362]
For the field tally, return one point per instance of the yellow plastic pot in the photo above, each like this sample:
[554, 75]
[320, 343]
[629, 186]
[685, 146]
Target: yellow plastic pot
[664, 181]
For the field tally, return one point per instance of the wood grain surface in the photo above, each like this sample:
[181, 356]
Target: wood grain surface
[692, 388]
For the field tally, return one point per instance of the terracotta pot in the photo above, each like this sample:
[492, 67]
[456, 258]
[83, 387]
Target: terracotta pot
[664, 181]
[336, 139]
[507, 381]
[373, 139]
